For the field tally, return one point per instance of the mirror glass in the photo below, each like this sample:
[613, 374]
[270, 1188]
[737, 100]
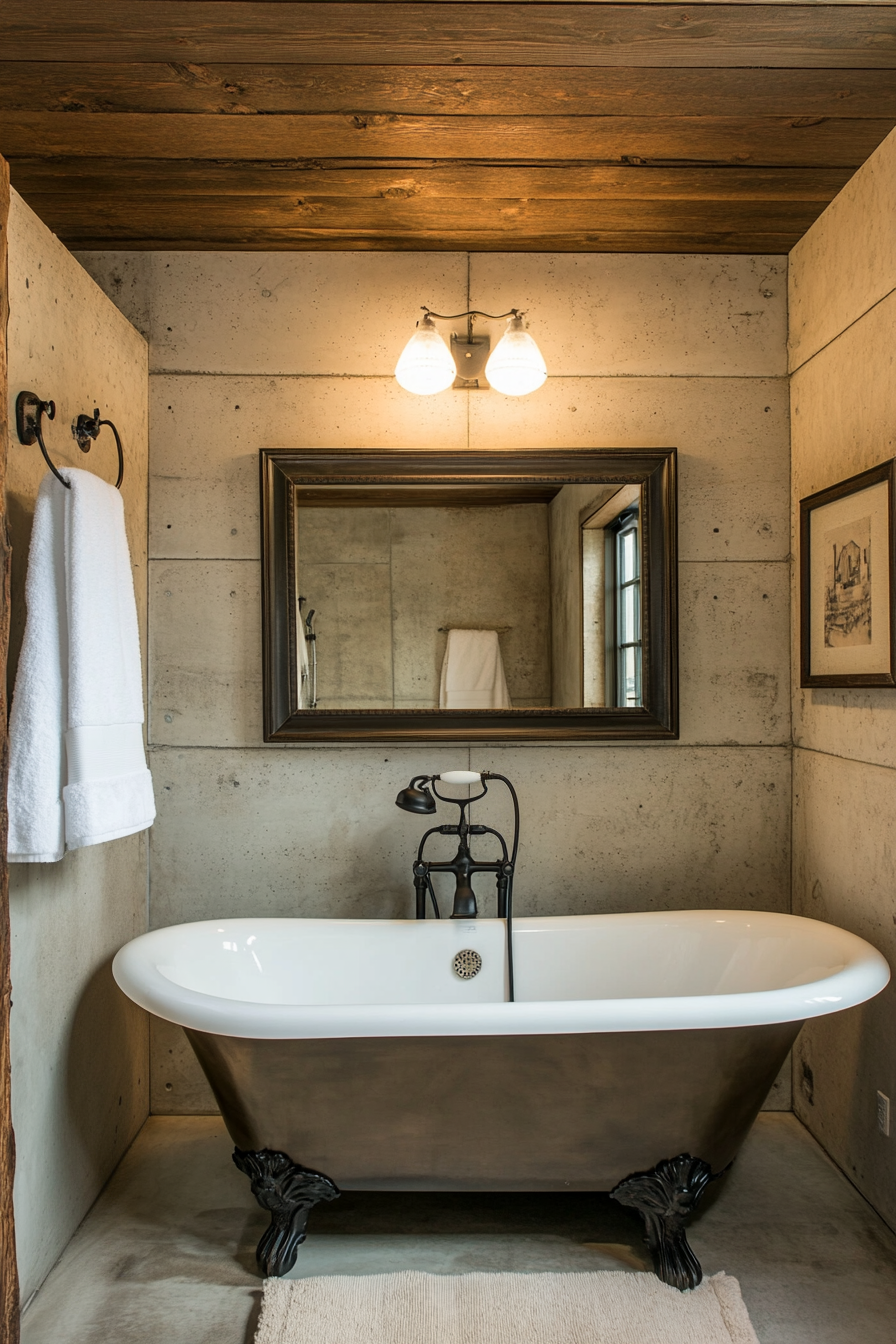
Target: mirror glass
[445, 597]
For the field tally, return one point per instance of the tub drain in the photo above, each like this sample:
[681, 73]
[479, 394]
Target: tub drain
[467, 964]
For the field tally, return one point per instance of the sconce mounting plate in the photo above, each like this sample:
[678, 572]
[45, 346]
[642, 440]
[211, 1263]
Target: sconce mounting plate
[470, 356]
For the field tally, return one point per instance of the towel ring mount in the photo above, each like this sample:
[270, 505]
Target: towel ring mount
[30, 410]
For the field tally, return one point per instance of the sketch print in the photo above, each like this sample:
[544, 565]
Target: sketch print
[847, 606]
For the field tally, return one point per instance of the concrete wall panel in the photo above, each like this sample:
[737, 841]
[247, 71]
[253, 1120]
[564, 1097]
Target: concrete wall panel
[605, 313]
[79, 1048]
[205, 652]
[80, 1065]
[179, 1087]
[735, 670]
[846, 262]
[845, 873]
[843, 395]
[842, 404]
[286, 312]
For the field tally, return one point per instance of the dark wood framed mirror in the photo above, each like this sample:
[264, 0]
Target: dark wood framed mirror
[526, 595]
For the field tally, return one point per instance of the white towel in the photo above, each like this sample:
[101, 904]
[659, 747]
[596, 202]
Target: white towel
[77, 768]
[473, 672]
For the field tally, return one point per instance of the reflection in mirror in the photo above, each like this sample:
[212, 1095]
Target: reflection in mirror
[518, 597]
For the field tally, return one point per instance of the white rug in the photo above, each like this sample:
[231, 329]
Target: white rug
[415, 1308]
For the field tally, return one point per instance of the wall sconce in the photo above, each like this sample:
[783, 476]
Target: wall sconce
[426, 365]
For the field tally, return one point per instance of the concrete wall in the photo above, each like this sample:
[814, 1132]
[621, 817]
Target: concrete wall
[386, 585]
[843, 358]
[297, 349]
[79, 1049]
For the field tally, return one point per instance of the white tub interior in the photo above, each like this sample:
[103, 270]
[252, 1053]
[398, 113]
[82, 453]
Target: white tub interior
[404, 962]
[661, 970]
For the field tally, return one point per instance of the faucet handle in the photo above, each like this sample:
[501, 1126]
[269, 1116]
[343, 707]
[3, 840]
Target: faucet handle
[460, 777]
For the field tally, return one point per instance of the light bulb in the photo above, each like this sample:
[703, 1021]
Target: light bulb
[425, 365]
[516, 365]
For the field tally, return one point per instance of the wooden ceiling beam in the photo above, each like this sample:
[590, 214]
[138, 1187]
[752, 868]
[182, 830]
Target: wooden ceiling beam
[510, 34]
[800, 142]
[134, 179]
[308, 240]
[172, 216]
[239, 90]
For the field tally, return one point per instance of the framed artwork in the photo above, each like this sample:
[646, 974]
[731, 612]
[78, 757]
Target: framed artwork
[847, 583]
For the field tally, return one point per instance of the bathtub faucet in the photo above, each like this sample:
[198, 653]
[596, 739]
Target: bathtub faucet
[418, 798]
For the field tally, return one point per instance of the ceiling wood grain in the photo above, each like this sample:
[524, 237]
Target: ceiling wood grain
[480, 125]
[387, 33]
[765, 141]
[243, 89]
[271, 239]
[181, 180]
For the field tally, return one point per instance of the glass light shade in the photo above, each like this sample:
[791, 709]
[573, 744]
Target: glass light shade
[516, 365]
[425, 365]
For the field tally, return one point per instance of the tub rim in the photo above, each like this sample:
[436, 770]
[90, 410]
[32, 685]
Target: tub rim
[865, 973]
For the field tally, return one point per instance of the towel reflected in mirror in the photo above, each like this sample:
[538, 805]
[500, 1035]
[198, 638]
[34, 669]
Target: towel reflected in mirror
[473, 672]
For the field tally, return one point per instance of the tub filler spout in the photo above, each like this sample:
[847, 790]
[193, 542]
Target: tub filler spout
[417, 798]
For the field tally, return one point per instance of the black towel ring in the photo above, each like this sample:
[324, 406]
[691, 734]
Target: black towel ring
[30, 410]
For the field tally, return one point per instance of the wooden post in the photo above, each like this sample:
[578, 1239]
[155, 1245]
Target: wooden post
[9, 1278]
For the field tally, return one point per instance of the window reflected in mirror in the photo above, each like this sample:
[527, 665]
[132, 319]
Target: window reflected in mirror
[611, 601]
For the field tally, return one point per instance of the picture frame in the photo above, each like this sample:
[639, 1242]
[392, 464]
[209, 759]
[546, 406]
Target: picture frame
[848, 582]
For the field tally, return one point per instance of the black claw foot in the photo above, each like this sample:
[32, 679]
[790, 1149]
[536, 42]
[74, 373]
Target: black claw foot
[665, 1199]
[289, 1192]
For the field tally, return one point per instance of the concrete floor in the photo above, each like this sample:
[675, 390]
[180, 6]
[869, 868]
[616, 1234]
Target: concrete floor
[166, 1256]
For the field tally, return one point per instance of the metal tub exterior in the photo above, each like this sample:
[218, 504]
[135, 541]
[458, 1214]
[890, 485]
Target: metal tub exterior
[567, 1112]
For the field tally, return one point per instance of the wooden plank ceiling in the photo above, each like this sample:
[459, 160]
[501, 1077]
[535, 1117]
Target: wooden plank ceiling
[503, 125]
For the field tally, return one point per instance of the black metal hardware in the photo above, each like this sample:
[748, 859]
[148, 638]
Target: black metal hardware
[471, 312]
[88, 427]
[417, 798]
[30, 409]
[289, 1192]
[665, 1198]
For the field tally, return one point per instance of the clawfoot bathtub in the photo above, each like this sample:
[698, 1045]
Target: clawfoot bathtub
[371, 1054]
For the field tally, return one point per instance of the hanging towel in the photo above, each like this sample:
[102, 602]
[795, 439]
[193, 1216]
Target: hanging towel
[77, 769]
[473, 673]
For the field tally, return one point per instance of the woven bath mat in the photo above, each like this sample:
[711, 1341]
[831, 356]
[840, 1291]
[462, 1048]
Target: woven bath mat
[415, 1308]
